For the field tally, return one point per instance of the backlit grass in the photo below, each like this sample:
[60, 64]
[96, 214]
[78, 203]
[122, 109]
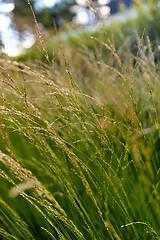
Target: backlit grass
[79, 142]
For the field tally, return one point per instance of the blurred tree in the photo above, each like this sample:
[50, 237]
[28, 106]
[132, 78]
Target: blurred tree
[60, 11]
[22, 14]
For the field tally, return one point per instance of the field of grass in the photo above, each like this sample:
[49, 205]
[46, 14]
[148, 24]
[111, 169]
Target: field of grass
[80, 135]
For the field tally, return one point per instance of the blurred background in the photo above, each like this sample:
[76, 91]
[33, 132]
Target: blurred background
[17, 26]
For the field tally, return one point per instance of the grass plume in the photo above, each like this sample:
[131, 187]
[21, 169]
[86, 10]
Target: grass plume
[79, 154]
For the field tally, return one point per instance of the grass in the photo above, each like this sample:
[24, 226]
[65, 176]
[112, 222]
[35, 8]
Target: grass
[79, 144]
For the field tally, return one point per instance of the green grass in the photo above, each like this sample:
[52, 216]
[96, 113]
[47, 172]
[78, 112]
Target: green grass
[79, 144]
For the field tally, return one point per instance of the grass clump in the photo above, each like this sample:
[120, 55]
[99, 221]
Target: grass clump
[79, 142]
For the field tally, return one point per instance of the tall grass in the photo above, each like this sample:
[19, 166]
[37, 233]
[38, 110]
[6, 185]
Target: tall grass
[79, 141]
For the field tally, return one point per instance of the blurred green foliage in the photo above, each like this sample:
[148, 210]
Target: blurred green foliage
[148, 19]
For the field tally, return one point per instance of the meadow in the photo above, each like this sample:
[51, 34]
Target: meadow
[80, 135]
